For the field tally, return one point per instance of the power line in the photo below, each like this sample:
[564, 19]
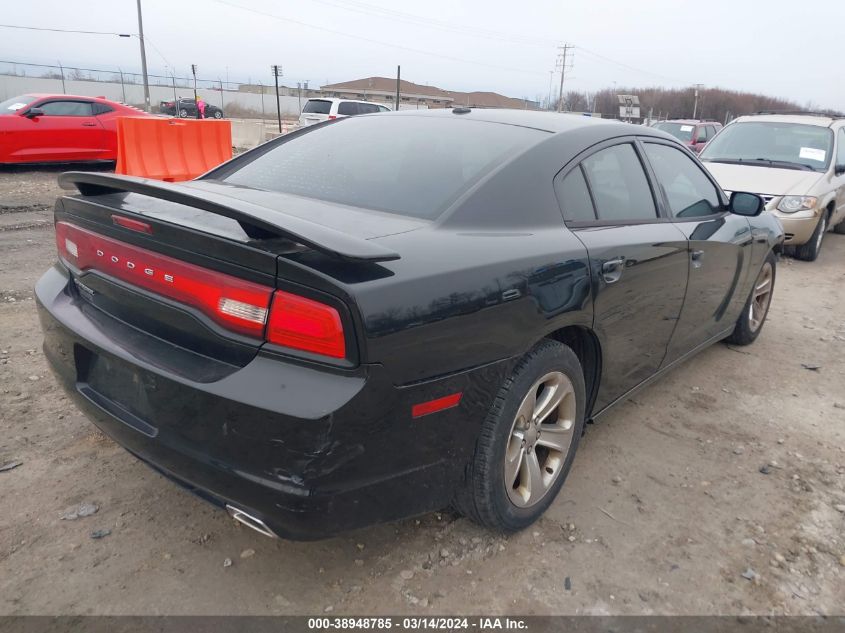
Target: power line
[628, 66]
[379, 42]
[38, 28]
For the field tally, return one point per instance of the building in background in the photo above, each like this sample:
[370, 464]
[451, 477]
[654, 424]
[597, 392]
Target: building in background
[411, 95]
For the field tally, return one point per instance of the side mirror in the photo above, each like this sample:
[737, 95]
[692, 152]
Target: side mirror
[34, 112]
[746, 204]
[839, 170]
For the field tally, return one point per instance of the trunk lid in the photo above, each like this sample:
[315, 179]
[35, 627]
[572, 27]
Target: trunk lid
[202, 265]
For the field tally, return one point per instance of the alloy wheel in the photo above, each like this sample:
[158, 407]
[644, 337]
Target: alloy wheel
[761, 297]
[540, 438]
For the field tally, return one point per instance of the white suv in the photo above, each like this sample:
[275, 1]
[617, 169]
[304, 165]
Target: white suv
[319, 110]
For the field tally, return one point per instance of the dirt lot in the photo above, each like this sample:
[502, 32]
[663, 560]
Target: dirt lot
[665, 510]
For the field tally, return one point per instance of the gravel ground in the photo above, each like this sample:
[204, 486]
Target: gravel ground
[666, 510]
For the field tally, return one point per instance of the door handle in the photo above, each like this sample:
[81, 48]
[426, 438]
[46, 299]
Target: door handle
[696, 257]
[612, 270]
[89, 124]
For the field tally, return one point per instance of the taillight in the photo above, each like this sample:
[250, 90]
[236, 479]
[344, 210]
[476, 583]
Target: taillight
[234, 303]
[332, 117]
[305, 324]
[242, 306]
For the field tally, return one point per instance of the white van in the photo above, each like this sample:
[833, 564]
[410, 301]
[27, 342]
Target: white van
[319, 110]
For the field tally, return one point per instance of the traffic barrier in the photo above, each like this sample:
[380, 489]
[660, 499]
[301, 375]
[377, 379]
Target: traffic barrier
[171, 149]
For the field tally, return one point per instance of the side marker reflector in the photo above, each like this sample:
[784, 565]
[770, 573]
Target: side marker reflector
[433, 406]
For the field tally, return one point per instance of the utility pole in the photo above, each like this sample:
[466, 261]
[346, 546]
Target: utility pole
[62, 73]
[562, 62]
[695, 107]
[277, 72]
[551, 78]
[194, 72]
[143, 60]
[398, 79]
[122, 85]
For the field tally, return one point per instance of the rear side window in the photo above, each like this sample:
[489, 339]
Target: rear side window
[619, 185]
[318, 106]
[414, 166]
[689, 192]
[348, 108]
[711, 131]
[67, 108]
[101, 108]
[574, 197]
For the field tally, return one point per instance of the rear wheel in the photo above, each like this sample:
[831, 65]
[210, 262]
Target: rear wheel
[810, 251]
[528, 440]
[750, 322]
[183, 113]
[218, 114]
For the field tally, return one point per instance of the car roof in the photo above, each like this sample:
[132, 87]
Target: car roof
[540, 120]
[807, 119]
[338, 100]
[689, 122]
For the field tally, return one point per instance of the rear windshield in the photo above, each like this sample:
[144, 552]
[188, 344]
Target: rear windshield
[318, 106]
[774, 143]
[681, 131]
[409, 165]
[15, 103]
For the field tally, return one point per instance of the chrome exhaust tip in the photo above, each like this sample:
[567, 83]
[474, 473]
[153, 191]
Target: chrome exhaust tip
[250, 521]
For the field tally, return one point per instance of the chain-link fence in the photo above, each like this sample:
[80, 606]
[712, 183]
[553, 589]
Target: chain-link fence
[250, 98]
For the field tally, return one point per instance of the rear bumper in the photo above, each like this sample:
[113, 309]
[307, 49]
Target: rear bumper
[310, 452]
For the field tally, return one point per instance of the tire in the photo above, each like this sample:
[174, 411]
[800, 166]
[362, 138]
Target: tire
[549, 368]
[810, 251]
[218, 115]
[756, 309]
[183, 113]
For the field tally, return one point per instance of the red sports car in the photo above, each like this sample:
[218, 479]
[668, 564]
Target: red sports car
[41, 128]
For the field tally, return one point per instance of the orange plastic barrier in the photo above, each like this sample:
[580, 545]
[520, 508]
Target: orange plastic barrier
[171, 149]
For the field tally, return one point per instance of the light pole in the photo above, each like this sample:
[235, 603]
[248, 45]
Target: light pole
[143, 60]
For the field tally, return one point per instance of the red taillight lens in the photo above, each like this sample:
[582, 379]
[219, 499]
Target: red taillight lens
[332, 117]
[234, 303]
[242, 306]
[132, 225]
[305, 324]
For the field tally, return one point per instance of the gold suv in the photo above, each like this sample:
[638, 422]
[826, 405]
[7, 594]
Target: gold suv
[796, 162]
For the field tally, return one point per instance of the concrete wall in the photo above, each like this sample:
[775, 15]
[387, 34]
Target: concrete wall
[11, 85]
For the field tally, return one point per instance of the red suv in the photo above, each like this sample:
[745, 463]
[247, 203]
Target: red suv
[694, 134]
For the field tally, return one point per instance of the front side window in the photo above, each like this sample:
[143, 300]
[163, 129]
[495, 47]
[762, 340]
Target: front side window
[66, 108]
[840, 152]
[367, 108]
[619, 185]
[688, 190]
[772, 144]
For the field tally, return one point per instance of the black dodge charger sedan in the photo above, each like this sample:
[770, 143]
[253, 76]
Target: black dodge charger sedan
[387, 314]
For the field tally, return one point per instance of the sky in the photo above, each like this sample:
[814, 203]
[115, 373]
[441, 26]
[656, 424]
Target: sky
[776, 47]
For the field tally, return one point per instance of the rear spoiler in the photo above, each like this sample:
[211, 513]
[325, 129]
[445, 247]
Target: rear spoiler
[257, 222]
